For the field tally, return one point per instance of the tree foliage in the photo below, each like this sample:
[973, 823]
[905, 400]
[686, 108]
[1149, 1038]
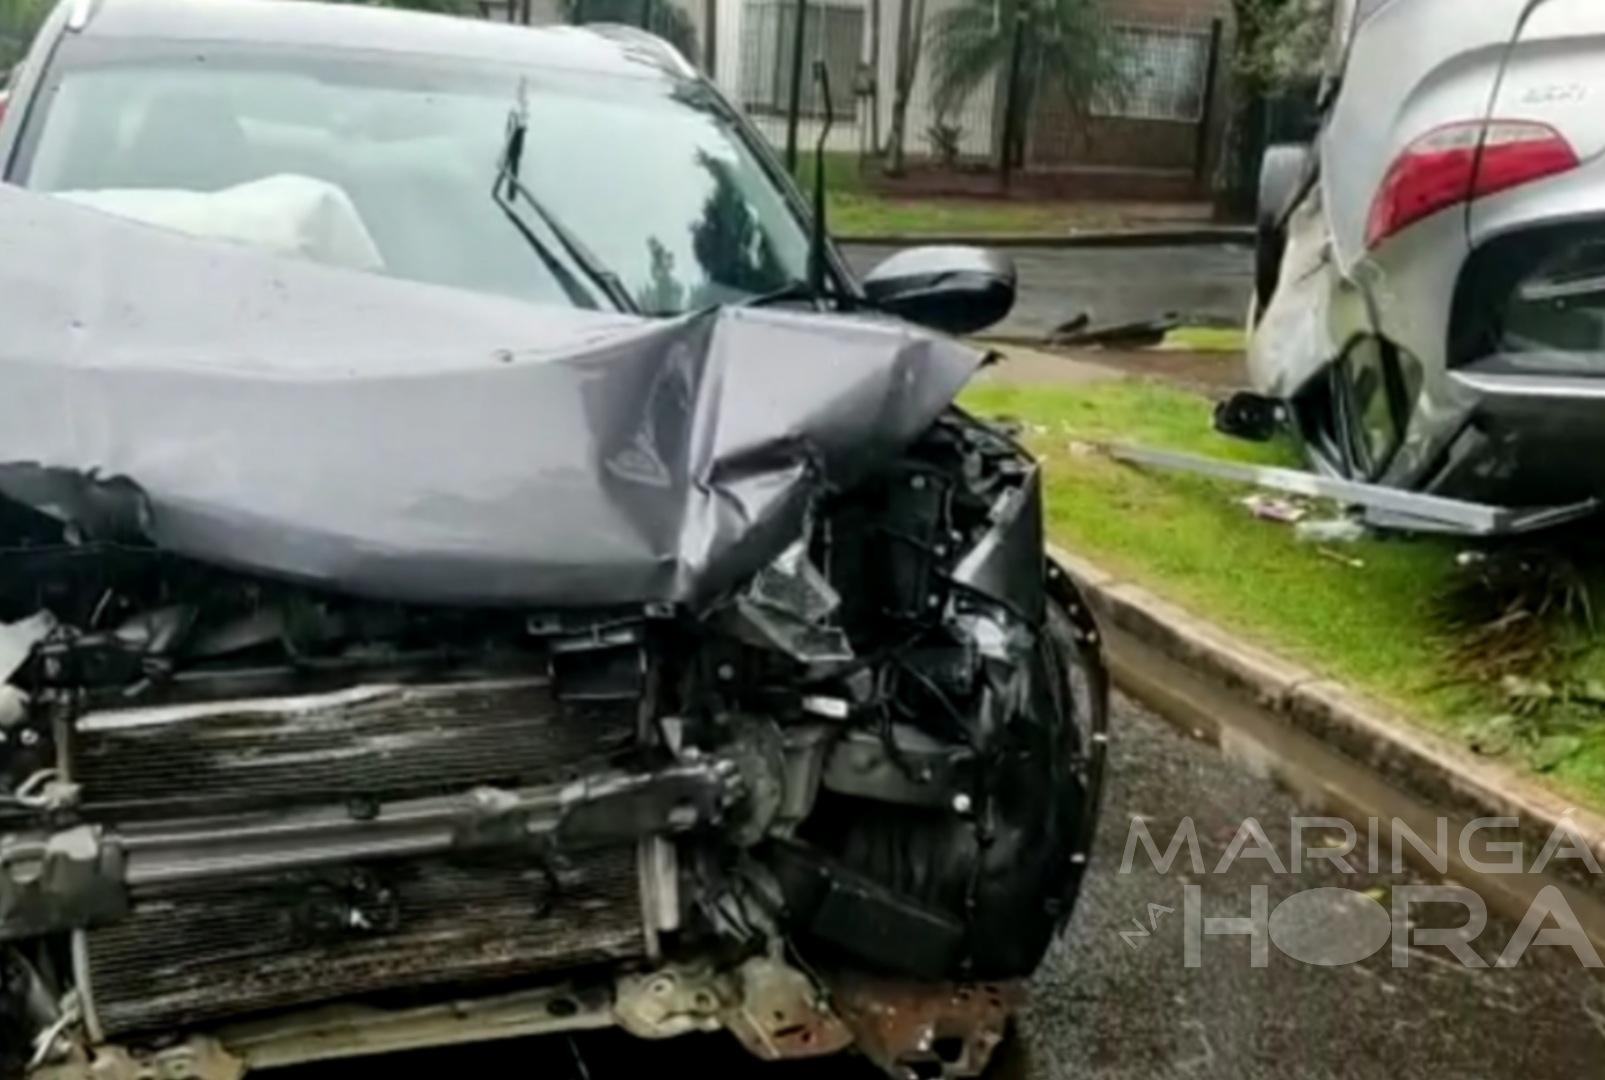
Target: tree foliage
[1066, 51]
[1279, 56]
[1281, 43]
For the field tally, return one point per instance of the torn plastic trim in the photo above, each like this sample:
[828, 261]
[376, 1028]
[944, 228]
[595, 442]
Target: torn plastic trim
[1006, 565]
[787, 607]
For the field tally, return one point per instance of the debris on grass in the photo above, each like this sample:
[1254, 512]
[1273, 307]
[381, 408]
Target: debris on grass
[1494, 737]
[1337, 530]
[1534, 738]
[1250, 416]
[1284, 511]
[1508, 611]
[1552, 751]
[1338, 557]
[1139, 334]
[1516, 617]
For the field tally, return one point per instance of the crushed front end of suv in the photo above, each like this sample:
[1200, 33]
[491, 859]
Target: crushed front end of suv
[384, 665]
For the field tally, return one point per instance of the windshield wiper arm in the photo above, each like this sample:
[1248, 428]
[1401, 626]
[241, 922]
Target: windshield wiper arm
[791, 290]
[508, 186]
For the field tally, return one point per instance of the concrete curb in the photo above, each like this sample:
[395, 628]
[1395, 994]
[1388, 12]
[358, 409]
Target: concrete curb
[1339, 752]
[1189, 236]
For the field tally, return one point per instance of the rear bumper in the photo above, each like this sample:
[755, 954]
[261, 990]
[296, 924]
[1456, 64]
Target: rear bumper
[1522, 440]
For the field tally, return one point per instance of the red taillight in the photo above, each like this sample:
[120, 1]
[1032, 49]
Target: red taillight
[1441, 169]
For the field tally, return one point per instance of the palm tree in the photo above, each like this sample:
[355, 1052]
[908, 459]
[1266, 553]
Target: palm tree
[1058, 47]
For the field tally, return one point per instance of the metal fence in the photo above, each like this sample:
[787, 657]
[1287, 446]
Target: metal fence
[771, 63]
[1161, 112]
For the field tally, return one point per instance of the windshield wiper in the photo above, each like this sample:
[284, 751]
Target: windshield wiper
[508, 186]
[791, 290]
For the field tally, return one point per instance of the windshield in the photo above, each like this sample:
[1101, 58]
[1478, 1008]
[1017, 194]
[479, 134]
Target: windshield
[387, 165]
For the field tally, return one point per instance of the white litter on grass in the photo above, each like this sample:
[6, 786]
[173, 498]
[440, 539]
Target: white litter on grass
[1339, 530]
[1275, 508]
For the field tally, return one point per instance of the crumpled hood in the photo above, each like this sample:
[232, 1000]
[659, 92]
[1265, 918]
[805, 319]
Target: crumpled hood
[407, 442]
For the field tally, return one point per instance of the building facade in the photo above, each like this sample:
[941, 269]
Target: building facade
[1168, 109]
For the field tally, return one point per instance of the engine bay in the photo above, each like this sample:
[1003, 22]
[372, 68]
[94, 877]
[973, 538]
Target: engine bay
[872, 769]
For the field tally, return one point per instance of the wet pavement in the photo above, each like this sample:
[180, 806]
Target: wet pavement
[1209, 282]
[1111, 1007]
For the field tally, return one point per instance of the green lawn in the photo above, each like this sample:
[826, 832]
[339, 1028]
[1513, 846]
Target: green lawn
[855, 209]
[1377, 628]
[870, 214]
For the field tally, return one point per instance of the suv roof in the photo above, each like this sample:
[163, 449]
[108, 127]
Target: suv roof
[622, 51]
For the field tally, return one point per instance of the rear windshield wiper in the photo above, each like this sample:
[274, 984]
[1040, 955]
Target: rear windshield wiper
[508, 186]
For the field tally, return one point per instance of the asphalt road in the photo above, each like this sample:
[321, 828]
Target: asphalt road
[1114, 285]
[1108, 1008]
[1112, 1009]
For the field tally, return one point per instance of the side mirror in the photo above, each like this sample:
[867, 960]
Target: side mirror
[959, 290]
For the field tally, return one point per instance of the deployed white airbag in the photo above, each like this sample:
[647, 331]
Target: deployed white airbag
[286, 214]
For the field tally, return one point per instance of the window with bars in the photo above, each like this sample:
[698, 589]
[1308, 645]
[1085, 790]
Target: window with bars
[1162, 74]
[832, 31]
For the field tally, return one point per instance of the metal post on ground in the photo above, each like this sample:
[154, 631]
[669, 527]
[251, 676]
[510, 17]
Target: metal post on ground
[1206, 116]
[794, 109]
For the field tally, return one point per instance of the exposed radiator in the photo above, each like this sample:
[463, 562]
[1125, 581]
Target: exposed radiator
[363, 742]
[266, 944]
[244, 945]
